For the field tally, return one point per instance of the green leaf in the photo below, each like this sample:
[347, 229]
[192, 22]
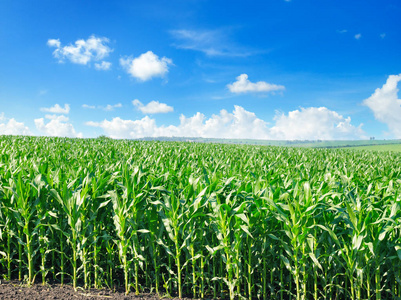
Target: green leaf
[315, 261]
[243, 218]
[352, 216]
[245, 229]
[103, 204]
[398, 249]
[357, 241]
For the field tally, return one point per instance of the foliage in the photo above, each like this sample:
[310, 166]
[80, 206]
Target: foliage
[207, 220]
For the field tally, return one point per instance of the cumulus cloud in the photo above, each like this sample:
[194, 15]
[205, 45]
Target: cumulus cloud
[243, 85]
[83, 51]
[57, 109]
[238, 124]
[57, 126]
[146, 66]
[54, 43]
[104, 66]
[153, 107]
[311, 123]
[119, 128]
[12, 127]
[61, 118]
[314, 123]
[386, 106]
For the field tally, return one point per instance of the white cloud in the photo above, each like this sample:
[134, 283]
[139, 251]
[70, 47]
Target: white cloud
[108, 107]
[386, 105]
[57, 109]
[153, 107]
[54, 43]
[57, 126]
[239, 124]
[311, 123]
[61, 118]
[146, 66]
[88, 106]
[210, 42]
[357, 36]
[12, 127]
[243, 85]
[83, 52]
[119, 128]
[104, 65]
[314, 123]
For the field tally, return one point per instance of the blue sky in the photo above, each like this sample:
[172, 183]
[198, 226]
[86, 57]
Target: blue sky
[259, 69]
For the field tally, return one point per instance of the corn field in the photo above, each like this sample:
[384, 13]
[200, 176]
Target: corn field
[201, 220]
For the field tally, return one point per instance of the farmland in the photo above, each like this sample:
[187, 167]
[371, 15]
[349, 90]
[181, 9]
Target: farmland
[393, 147]
[204, 220]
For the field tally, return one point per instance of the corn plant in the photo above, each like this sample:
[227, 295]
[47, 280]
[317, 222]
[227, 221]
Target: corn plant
[73, 204]
[207, 220]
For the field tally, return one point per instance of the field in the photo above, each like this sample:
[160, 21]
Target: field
[201, 220]
[392, 147]
[284, 143]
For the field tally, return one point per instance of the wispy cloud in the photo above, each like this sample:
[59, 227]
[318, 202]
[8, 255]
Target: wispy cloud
[88, 106]
[104, 66]
[357, 36]
[383, 35]
[108, 107]
[342, 31]
[210, 42]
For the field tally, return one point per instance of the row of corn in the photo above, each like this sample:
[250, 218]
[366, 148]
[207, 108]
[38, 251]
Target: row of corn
[201, 220]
